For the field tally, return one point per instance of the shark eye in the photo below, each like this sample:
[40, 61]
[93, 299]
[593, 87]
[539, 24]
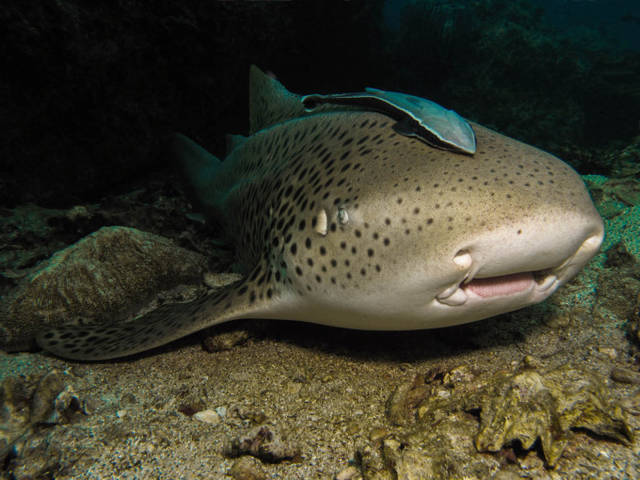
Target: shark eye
[343, 216]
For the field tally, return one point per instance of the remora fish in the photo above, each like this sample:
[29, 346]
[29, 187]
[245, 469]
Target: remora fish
[338, 219]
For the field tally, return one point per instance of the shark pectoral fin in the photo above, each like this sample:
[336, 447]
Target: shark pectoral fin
[156, 328]
[270, 102]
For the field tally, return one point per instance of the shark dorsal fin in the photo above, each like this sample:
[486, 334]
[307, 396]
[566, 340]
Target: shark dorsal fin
[270, 102]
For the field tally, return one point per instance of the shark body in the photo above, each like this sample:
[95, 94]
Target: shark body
[338, 219]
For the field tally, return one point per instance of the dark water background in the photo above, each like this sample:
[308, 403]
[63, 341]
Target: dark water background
[616, 20]
[90, 91]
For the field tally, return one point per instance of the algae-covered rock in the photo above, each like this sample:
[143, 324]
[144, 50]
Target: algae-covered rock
[634, 321]
[455, 425]
[265, 443]
[438, 451]
[618, 201]
[247, 468]
[104, 277]
[405, 399]
[26, 404]
[531, 405]
[625, 228]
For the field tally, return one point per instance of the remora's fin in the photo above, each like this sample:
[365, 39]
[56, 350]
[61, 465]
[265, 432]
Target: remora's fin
[270, 102]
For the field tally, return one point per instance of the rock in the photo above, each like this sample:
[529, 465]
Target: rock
[263, 443]
[626, 190]
[247, 468]
[43, 400]
[222, 341]
[461, 418]
[403, 401]
[26, 406]
[208, 416]
[609, 352]
[14, 412]
[624, 375]
[349, 473]
[634, 321]
[105, 277]
[438, 451]
[531, 405]
[624, 228]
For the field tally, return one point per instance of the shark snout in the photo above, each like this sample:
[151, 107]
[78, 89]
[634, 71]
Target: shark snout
[511, 262]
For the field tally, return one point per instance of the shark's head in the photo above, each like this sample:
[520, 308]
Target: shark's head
[414, 237]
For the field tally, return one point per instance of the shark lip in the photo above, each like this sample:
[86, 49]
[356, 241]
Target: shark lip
[499, 286]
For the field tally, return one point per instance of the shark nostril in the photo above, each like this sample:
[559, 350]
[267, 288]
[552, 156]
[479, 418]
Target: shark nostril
[463, 259]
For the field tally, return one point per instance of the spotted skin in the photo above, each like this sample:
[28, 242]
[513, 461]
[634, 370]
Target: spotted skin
[339, 220]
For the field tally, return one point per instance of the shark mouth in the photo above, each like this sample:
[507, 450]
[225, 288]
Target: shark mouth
[500, 286]
[503, 285]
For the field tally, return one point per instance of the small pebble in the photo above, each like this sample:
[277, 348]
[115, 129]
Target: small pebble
[207, 416]
[247, 468]
[624, 375]
[264, 443]
[378, 434]
[222, 341]
[222, 411]
[78, 212]
[609, 352]
[457, 375]
[349, 473]
[530, 361]
[632, 403]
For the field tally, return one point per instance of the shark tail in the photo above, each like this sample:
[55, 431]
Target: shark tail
[154, 329]
[248, 297]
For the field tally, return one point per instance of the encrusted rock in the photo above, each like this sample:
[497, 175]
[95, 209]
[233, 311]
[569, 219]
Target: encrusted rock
[43, 400]
[349, 473]
[26, 404]
[532, 405]
[624, 375]
[404, 400]
[634, 321]
[247, 468]
[226, 340]
[104, 277]
[263, 443]
[461, 416]
[438, 451]
[14, 411]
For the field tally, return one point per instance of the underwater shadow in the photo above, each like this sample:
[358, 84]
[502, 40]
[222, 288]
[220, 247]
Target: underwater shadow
[399, 346]
[376, 346]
